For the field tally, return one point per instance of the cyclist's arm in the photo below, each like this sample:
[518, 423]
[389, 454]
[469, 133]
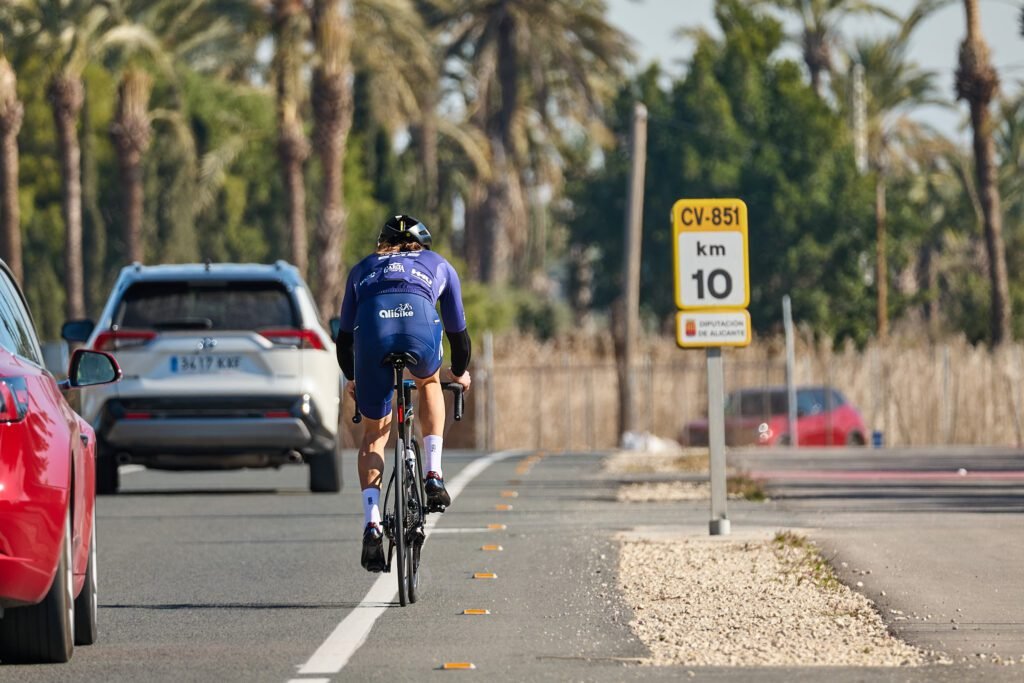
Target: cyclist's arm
[453, 315]
[461, 351]
[345, 343]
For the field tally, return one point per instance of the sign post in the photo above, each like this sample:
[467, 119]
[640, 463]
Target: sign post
[712, 291]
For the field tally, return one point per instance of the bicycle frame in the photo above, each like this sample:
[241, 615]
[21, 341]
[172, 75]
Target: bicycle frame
[405, 527]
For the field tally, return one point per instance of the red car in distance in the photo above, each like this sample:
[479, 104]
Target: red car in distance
[761, 417]
[47, 494]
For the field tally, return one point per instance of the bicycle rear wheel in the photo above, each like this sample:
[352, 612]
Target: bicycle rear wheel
[401, 550]
[416, 506]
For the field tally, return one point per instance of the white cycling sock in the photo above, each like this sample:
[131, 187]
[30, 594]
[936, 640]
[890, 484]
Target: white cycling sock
[371, 505]
[432, 445]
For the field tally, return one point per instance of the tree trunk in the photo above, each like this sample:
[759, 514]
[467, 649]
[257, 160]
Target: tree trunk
[293, 150]
[428, 158]
[881, 262]
[502, 230]
[977, 83]
[292, 145]
[94, 230]
[332, 111]
[66, 93]
[11, 115]
[131, 135]
[817, 57]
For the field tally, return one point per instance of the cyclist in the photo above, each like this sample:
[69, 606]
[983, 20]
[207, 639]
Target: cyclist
[389, 306]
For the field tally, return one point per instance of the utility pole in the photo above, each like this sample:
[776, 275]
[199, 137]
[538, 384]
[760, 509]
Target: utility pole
[631, 271]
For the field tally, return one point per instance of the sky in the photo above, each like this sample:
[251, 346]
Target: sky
[652, 25]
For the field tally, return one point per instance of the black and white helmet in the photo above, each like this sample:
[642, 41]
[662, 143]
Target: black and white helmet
[401, 229]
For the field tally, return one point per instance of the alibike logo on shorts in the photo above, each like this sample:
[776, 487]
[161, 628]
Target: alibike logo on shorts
[399, 311]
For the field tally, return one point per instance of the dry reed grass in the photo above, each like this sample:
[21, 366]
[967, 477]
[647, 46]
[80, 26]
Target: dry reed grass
[562, 394]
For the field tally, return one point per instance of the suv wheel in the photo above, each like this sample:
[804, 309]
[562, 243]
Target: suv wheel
[325, 471]
[107, 478]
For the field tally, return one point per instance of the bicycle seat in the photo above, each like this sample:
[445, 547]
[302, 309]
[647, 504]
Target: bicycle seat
[400, 359]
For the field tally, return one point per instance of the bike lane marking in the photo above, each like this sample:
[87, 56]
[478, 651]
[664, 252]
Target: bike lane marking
[352, 631]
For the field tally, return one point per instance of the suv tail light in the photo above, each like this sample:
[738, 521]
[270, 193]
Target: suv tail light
[303, 339]
[115, 340]
[13, 399]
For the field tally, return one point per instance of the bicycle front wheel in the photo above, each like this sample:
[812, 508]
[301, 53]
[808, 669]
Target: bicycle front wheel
[401, 549]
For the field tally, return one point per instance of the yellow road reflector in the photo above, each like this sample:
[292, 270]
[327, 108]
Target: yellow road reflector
[455, 666]
[509, 494]
[504, 507]
[476, 612]
[497, 527]
[485, 575]
[492, 547]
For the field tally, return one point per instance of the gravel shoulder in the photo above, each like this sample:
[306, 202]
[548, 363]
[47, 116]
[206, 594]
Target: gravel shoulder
[751, 599]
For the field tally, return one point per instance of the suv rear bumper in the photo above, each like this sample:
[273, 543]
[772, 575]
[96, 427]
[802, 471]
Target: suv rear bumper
[213, 434]
[210, 425]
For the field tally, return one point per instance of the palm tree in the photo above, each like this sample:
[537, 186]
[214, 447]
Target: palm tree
[819, 30]
[977, 82]
[290, 28]
[131, 133]
[11, 114]
[332, 113]
[537, 72]
[895, 87]
[216, 36]
[396, 52]
[71, 33]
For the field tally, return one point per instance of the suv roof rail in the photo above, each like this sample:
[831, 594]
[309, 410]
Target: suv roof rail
[281, 264]
[137, 266]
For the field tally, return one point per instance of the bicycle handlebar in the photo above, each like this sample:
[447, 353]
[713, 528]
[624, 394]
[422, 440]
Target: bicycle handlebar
[457, 391]
[457, 394]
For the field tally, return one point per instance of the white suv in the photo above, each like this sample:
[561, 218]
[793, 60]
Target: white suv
[225, 366]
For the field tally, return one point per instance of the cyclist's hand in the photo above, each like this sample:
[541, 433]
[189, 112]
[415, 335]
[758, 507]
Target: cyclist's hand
[465, 380]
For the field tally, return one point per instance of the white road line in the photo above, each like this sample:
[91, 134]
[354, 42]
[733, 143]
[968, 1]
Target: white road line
[350, 634]
[130, 469]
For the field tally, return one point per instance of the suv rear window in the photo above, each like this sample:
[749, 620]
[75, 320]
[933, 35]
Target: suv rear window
[206, 305]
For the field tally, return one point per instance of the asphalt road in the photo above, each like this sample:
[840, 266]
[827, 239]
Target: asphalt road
[941, 531]
[244, 576]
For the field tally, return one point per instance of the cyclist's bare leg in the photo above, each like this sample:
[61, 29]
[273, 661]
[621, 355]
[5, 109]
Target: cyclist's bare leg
[430, 408]
[371, 454]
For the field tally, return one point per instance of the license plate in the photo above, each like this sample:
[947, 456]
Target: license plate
[204, 364]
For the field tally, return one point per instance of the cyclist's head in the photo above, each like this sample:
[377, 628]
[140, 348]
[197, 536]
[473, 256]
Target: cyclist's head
[404, 232]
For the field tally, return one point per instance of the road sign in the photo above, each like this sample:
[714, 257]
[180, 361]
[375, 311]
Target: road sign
[703, 329]
[711, 254]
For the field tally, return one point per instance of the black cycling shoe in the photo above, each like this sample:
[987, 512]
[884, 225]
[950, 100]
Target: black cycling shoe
[437, 497]
[373, 548]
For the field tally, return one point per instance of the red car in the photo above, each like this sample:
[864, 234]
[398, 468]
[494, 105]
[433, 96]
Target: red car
[47, 494]
[760, 417]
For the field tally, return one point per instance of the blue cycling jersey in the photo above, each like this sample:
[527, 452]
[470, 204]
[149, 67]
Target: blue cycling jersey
[425, 273]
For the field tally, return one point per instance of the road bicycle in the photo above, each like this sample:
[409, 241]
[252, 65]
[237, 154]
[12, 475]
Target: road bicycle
[405, 503]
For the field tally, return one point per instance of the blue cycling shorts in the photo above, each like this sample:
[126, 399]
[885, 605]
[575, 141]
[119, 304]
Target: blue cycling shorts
[393, 323]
